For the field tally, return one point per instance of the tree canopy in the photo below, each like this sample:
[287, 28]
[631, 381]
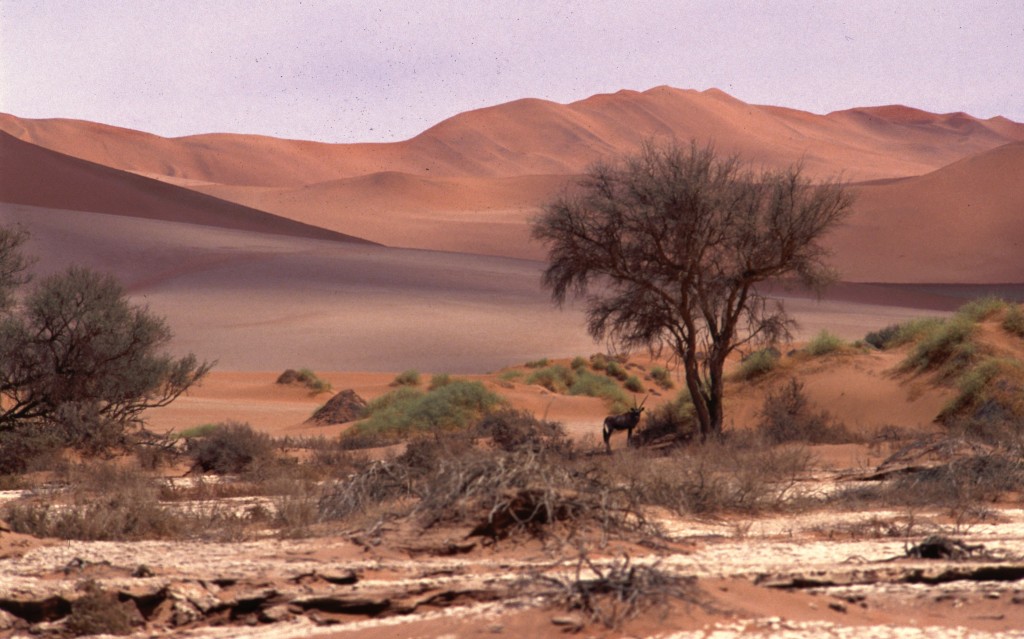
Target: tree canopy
[666, 249]
[76, 354]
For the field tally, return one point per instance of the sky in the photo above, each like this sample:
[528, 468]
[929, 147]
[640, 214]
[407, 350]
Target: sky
[374, 71]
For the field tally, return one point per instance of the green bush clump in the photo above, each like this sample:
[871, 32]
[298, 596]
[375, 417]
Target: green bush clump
[556, 379]
[407, 378]
[883, 338]
[616, 370]
[539, 363]
[579, 363]
[406, 411]
[598, 361]
[590, 385]
[948, 347]
[824, 343]
[1014, 320]
[990, 404]
[566, 381]
[661, 377]
[633, 384]
[437, 381]
[980, 309]
[758, 363]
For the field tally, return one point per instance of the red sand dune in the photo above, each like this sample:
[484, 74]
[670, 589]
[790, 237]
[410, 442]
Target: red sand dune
[531, 136]
[963, 223]
[36, 176]
[472, 182]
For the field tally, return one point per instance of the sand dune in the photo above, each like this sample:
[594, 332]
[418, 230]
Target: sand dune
[529, 137]
[961, 224]
[469, 214]
[36, 176]
[472, 182]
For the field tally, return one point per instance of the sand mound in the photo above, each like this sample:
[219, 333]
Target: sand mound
[960, 224]
[40, 177]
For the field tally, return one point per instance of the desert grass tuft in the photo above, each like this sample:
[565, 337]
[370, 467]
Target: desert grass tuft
[824, 343]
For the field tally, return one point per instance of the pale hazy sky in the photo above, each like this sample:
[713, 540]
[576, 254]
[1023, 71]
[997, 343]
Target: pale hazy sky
[367, 70]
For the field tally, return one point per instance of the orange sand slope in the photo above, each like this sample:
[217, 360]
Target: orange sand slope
[36, 176]
[963, 223]
[472, 182]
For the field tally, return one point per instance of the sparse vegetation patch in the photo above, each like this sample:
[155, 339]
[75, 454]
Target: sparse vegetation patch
[407, 412]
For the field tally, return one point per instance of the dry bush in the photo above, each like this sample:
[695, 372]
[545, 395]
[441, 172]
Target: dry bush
[503, 493]
[511, 429]
[230, 448]
[29, 447]
[668, 423]
[99, 612]
[378, 483]
[950, 474]
[786, 416]
[101, 502]
[737, 474]
[618, 591]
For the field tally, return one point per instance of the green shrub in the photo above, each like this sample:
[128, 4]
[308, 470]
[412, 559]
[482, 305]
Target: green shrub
[633, 384]
[980, 309]
[510, 376]
[203, 430]
[313, 382]
[539, 363]
[883, 338]
[915, 330]
[1014, 321]
[579, 363]
[661, 377]
[990, 404]
[598, 361]
[758, 363]
[407, 378]
[406, 411]
[556, 378]
[948, 347]
[824, 343]
[616, 370]
[231, 447]
[590, 385]
[437, 381]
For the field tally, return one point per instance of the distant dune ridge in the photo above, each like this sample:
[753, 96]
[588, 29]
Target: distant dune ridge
[472, 182]
[940, 199]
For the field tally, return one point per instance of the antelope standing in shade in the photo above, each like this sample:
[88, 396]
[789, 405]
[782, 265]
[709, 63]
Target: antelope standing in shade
[626, 421]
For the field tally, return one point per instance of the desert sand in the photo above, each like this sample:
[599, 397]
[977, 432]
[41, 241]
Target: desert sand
[364, 260]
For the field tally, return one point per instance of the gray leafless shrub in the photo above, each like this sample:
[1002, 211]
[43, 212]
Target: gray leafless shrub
[612, 594]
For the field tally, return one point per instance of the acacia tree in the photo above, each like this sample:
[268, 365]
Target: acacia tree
[667, 248]
[75, 354]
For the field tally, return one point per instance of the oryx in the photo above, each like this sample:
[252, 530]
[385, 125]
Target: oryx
[626, 421]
